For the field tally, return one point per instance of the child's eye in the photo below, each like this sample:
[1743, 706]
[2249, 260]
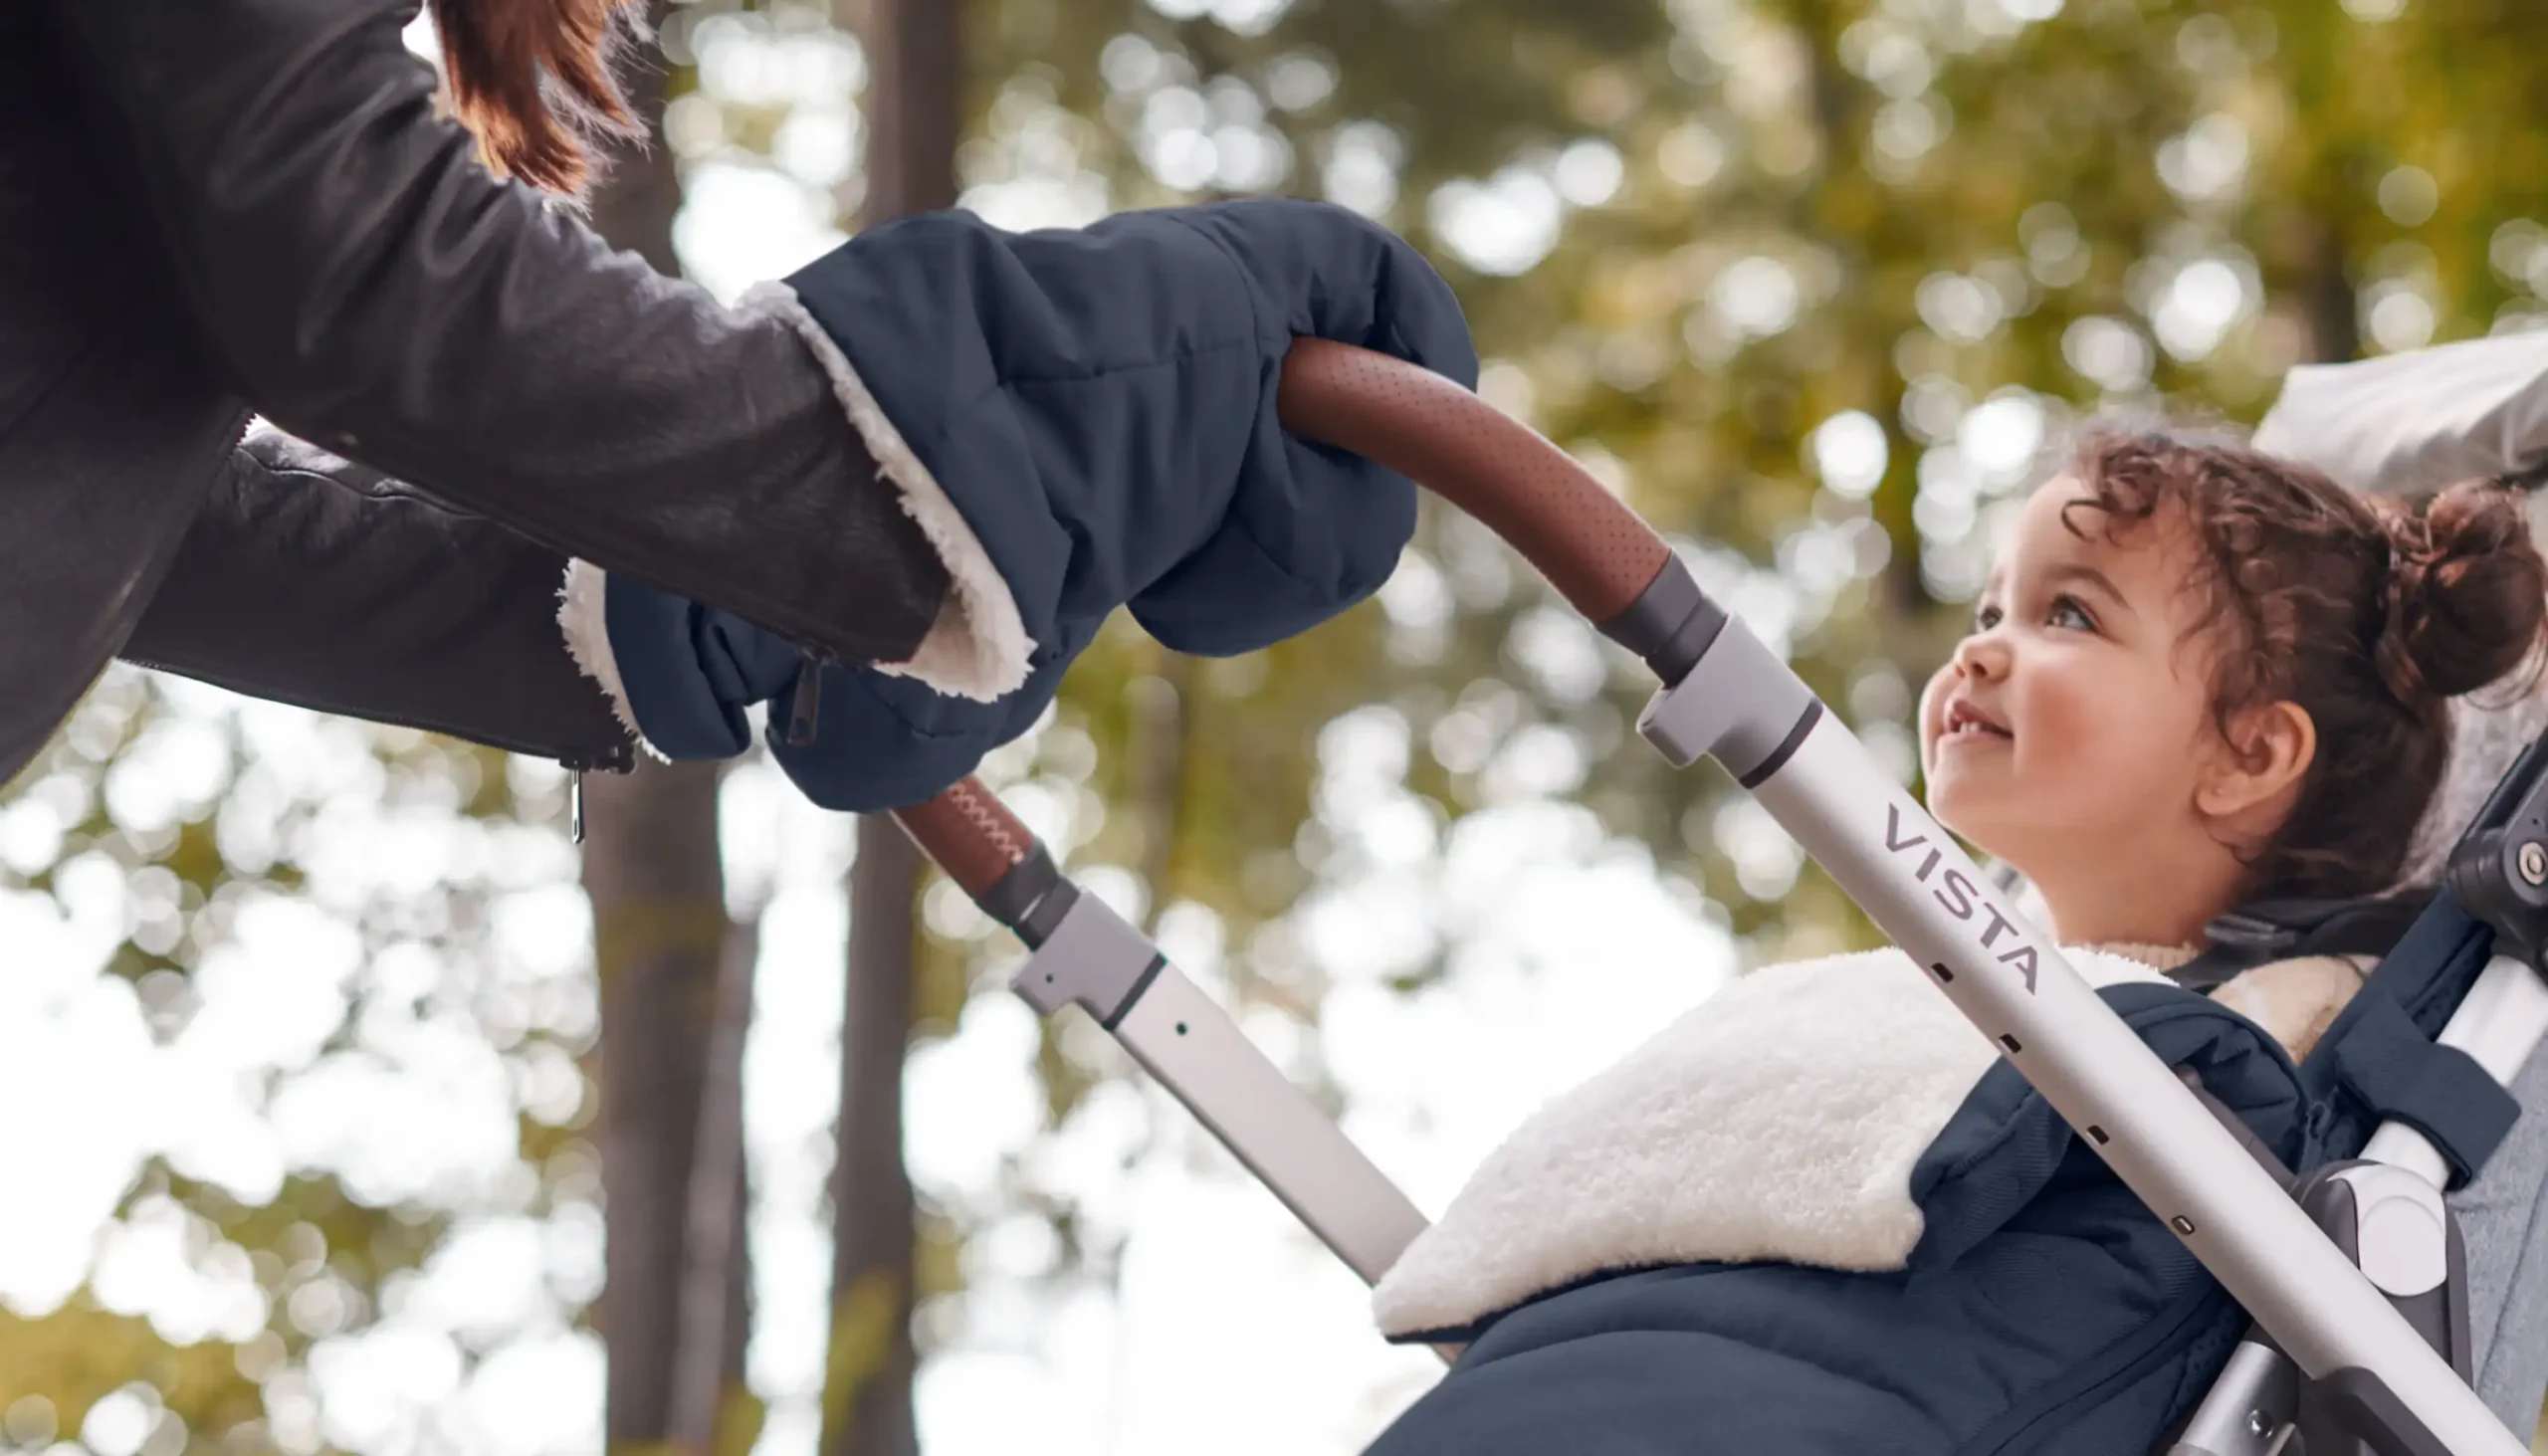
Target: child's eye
[1985, 618]
[2067, 612]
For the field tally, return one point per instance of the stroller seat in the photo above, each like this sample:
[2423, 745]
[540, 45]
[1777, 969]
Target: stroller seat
[2505, 1227]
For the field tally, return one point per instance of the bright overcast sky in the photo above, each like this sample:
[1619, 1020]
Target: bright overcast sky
[1235, 1333]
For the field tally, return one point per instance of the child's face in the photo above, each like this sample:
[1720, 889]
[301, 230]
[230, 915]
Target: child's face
[2075, 718]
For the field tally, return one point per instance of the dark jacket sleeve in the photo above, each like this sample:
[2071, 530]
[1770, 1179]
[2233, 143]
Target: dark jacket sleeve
[369, 287]
[313, 581]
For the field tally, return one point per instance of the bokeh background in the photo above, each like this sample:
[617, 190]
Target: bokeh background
[348, 1106]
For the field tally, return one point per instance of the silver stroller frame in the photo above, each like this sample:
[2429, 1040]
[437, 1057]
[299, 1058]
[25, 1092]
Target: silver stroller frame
[2346, 1333]
[2384, 1209]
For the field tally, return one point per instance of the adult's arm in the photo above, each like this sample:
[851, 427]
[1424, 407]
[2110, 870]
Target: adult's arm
[368, 286]
[309, 580]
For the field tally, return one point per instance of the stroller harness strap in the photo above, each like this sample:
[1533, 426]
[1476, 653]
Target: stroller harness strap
[2282, 930]
[2379, 1057]
[2397, 1072]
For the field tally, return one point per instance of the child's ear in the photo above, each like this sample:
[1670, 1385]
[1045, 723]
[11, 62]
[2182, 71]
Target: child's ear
[2269, 751]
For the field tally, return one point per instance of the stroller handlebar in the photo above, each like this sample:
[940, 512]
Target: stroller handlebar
[970, 835]
[1592, 549]
[1598, 554]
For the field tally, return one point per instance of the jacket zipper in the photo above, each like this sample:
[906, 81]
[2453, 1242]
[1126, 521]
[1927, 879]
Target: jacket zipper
[618, 758]
[238, 439]
[806, 703]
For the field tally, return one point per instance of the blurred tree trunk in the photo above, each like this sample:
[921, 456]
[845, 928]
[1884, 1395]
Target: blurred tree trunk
[2327, 298]
[659, 930]
[867, 1377]
[915, 98]
[652, 871]
[712, 1410]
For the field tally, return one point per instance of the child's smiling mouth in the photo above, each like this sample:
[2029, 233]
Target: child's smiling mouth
[1967, 723]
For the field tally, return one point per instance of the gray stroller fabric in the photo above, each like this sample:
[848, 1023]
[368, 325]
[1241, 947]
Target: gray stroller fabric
[2417, 420]
[2503, 1211]
[2503, 1216]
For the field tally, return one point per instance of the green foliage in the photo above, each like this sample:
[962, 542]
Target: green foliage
[59, 1365]
[1905, 209]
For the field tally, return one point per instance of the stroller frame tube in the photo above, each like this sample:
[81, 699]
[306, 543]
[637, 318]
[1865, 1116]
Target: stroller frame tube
[1094, 958]
[1724, 695]
[2013, 982]
[2498, 1023]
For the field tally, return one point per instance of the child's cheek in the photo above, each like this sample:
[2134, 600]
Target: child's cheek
[1933, 700]
[2070, 734]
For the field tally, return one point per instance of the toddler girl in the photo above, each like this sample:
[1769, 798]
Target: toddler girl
[2199, 678]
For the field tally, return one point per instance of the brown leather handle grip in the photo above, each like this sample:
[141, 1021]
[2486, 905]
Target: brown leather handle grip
[1592, 549]
[970, 834]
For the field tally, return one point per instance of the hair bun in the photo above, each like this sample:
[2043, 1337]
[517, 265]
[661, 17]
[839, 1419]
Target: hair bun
[2467, 592]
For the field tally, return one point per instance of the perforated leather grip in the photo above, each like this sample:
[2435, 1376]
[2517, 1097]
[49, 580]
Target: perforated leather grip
[1594, 549]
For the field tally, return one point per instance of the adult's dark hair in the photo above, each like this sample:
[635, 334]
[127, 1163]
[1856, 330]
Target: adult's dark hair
[2369, 612]
[531, 78]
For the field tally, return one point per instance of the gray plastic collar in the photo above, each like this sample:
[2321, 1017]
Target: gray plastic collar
[1093, 958]
[1739, 704]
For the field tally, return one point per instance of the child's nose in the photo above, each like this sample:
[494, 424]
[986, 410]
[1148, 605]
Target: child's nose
[1983, 655]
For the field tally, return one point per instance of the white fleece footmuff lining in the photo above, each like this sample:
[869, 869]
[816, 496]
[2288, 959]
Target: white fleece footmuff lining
[1780, 1120]
[978, 648]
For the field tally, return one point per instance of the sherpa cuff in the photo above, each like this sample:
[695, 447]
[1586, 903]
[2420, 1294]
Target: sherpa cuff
[978, 647]
[588, 633]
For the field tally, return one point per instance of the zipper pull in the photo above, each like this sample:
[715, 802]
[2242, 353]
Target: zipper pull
[806, 709]
[575, 767]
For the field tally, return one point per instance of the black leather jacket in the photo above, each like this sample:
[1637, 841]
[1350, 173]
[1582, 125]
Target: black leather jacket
[213, 208]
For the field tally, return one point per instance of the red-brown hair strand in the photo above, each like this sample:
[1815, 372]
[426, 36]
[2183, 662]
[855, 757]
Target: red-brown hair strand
[531, 80]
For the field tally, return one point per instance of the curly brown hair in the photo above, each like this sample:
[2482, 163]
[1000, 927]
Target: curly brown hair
[2368, 613]
[533, 81]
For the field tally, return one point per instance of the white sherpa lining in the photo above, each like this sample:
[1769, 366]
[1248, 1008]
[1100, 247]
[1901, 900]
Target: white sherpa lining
[588, 633]
[1780, 1120]
[293, 451]
[979, 647]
